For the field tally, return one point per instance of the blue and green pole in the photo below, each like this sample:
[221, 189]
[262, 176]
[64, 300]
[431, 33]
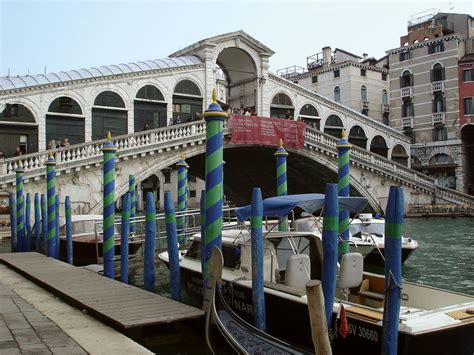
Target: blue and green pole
[214, 117]
[12, 209]
[131, 190]
[28, 223]
[37, 223]
[56, 251]
[330, 232]
[282, 188]
[67, 214]
[44, 222]
[258, 294]
[150, 243]
[124, 235]
[393, 270]
[51, 202]
[182, 198]
[203, 229]
[20, 208]
[343, 150]
[173, 250]
[109, 151]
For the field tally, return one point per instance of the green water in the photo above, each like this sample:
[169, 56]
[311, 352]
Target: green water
[445, 257]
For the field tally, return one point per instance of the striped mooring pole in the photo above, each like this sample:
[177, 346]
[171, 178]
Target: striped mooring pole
[343, 150]
[131, 190]
[173, 249]
[27, 245]
[109, 151]
[330, 232]
[12, 209]
[182, 198]
[282, 189]
[150, 243]
[124, 235]
[214, 117]
[203, 228]
[51, 202]
[393, 270]
[37, 223]
[258, 294]
[67, 214]
[56, 249]
[20, 208]
[44, 222]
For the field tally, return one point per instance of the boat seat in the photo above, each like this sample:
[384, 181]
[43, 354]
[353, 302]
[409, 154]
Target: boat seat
[351, 271]
[297, 272]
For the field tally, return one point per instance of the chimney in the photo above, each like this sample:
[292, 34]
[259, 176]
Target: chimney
[365, 55]
[326, 56]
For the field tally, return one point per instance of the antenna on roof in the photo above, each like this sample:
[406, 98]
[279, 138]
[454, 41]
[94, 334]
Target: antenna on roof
[45, 70]
[8, 71]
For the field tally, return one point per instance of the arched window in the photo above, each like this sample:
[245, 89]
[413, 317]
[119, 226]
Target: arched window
[357, 137]
[310, 116]
[64, 120]
[108, 115]
[187, 102]
[149, 109]
[282, 107]
[407, 108]
[384, 97]
[363, 93]
[334, 126]
[399, 155]
[406, 79]
[379, 146]
[337, 94]
[18, 128]
[437, 74]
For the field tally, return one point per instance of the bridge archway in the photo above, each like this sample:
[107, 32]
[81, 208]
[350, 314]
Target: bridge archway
[65, 119]
[282, 106]
[149, 109]
[357, 137]
[442, 168]
[309, 115]
[334, 126]
[399, 155]
[379, 146]
[18, 128]
[109, 114]
[187, 101]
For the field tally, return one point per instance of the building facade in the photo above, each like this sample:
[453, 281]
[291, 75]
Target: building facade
[425, 95]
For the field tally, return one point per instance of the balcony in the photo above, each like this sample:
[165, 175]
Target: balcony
[407, 122]
[364, 105]
[385, 108]
[407, 92]
[437, 86]
[438, 118]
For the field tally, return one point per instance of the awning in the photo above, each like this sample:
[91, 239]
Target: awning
[281, 206]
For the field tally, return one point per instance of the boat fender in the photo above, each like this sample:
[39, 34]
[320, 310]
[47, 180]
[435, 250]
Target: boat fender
[405, 296]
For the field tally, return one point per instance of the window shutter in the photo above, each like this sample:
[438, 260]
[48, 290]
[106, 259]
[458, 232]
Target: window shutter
[434, 105]
[430, 49]
[432, 75]
[412, 83]
[441, 46]
[401, 82]
[442, 73]
[444, 105]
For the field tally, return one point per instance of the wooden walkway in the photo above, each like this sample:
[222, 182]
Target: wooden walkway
[121, 306]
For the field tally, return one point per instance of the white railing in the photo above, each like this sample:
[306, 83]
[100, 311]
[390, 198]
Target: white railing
[437, 86]
[438, 117]
[364, 104]
[189, 133]
[407, 122]
[407, 92]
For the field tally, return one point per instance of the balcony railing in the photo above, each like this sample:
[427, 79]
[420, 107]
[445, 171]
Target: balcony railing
[407, 122]
[407, 92]
[438, 117]
[364, 104]
[437, 86]
[385, 108]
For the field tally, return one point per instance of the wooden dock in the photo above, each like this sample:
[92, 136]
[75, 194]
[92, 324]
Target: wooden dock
[121, 306]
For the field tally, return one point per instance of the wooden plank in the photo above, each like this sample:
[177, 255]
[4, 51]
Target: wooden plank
[117, 304]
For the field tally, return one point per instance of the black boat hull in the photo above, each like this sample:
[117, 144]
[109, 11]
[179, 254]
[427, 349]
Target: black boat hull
[375, 259]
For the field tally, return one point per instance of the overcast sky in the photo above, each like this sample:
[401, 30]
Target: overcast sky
[64, 35]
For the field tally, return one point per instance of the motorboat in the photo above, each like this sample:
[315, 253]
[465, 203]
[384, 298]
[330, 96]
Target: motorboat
[87, 240]
[432, 320]
[366, 236]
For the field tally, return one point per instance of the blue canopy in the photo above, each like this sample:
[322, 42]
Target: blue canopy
[281, 206]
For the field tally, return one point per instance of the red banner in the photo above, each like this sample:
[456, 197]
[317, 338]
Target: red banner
[267, 131]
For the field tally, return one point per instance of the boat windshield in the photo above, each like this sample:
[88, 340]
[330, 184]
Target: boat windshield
[231, 254]
[366, 228]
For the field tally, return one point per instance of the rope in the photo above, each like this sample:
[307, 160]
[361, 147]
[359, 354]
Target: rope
[391, 280]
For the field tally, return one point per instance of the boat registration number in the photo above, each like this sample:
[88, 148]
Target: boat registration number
[362, 332]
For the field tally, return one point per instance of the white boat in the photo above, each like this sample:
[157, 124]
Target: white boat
[432, 321]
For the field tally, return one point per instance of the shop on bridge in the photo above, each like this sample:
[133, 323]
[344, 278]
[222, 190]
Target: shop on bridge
[334, 126]
[18, 129]
[149, 109]
[282, 107]
[65, 119]
[187, 102]
[310, 116]
[108, 115]
[357, 137]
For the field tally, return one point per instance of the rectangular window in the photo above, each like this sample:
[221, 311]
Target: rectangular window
[192, 178]
[363, 72]
[469, 106]
[384, 76]
[192, 193]
[468, 75]
[296, 81]
[440, 133]
[404, 56]
[314, 79]
[337, 73]
[167, 175]
[436, 48]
